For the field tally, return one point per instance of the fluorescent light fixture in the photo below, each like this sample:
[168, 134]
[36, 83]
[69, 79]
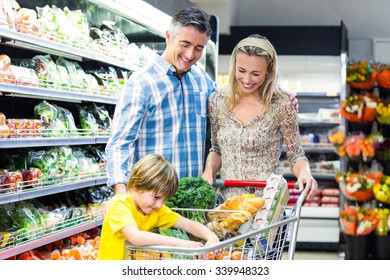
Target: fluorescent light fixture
[140, 12]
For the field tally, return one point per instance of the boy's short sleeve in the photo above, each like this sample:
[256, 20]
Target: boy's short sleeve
[121, 217]
[167, 218]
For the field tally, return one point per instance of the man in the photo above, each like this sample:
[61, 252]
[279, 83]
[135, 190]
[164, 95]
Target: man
[164, 105]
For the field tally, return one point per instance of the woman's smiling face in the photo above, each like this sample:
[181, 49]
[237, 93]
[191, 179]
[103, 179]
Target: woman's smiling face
[251, 71]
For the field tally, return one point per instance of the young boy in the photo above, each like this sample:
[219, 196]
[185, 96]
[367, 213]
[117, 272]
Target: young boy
[132, 215]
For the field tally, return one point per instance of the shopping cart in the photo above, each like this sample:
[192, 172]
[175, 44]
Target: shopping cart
[245, 242]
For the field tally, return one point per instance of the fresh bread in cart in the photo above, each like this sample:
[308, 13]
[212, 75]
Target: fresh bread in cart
[245, 206]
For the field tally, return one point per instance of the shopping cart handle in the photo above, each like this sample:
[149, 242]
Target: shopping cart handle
[247, 183]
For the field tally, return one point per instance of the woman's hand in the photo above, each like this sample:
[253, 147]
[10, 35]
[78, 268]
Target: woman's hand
[294, 101]
[307, 183]
[208, 177]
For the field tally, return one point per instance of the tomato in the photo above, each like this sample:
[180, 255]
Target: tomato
[5, 62]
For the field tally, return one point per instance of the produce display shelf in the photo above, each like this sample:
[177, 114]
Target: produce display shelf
[42, 189]
[26, 41]
[45, 236]
[49, 93]
[40, 137]
[46, 141]
[101, 139]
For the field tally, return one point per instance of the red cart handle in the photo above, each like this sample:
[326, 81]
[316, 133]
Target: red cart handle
[247, 183]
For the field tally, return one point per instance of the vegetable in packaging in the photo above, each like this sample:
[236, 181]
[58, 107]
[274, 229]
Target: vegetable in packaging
[26, 21]
[87, 121]
[66, 117]
[46, 112]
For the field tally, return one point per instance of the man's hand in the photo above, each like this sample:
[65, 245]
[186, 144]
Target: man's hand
[118, 188]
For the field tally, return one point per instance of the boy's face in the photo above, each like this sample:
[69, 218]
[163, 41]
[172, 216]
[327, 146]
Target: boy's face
[185, 49]
[148, 201]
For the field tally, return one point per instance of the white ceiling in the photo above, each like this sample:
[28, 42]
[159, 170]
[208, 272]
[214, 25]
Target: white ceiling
[364, 19]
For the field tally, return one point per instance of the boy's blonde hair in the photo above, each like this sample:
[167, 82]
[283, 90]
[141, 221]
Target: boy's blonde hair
[154, 173]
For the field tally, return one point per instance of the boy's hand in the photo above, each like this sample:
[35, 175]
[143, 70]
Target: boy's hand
[190, 244]
[212, 240]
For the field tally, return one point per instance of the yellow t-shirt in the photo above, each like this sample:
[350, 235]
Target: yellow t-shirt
[121, 213]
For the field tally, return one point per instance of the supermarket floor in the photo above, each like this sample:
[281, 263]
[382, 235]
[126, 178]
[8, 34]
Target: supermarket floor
[312, 254]
[319, 255]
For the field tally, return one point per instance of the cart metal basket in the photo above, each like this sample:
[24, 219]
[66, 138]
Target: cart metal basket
[237, 243]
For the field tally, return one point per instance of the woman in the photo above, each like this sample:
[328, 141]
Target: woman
[252, 118]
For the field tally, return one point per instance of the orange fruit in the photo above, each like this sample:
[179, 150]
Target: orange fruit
[210, 256]
[236, 255]
[222, 255]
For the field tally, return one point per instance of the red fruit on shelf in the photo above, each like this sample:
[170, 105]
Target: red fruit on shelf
[31, 176]
[2, 118]
[5, 62]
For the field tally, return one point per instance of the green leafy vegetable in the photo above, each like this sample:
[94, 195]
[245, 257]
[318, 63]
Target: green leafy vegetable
[193, 192]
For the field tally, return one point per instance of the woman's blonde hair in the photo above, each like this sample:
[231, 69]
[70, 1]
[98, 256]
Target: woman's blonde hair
[154, 173]
[256, 45]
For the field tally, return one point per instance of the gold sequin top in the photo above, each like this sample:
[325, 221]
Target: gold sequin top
[252, 151]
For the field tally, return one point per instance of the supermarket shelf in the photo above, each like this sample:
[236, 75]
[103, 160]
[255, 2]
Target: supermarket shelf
[101, 139]
[319, 228]
[316, 175]
[73, 138]
[39, 92]
[316, 95]
[317, 123]
[101, 181]
[23, 193]
[47, 141]
[318, 148]
[320, 212]
[323, 148]
[84, 223]
[24, 41]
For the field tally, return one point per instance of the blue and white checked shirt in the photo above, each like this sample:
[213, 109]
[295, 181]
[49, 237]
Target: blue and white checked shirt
[160, 113]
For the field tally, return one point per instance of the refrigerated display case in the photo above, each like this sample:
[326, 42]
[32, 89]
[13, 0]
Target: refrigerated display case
[20, 95]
